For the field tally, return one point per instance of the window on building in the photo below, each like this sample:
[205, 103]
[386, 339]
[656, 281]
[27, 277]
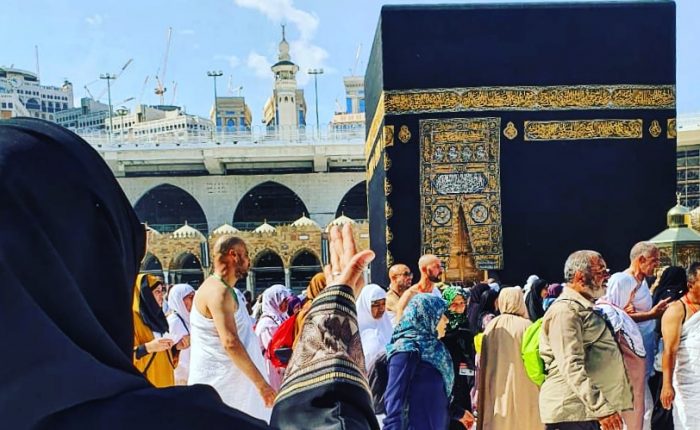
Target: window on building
[348, 105]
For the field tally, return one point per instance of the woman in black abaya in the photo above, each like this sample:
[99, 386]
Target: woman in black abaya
[70, 249]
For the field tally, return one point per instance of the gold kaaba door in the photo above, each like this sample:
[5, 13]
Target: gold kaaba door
[461, 194]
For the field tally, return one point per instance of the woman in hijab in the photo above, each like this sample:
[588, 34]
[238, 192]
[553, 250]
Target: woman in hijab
[420, 368]
[77, 329]
[488, 308]
[75, 333]
[673, 284]
[316, 285]
[374, 324]
[459, 342]
[473, 307]
[274, 313]
[180, 303]
[618, 295]
[534, 300]
[502, 376]
[153, 355]
[293, 305]
[553, 293]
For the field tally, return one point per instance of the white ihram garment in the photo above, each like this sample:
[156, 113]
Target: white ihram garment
[686, 377]
[209, 363]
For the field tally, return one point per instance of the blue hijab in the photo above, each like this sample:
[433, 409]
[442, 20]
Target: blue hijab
[417, 331]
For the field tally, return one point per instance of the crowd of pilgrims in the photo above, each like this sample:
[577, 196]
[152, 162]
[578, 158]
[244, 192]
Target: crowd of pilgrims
[453, 357]
[91, 343]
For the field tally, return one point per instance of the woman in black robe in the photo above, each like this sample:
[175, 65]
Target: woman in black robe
[535, 299]
[70, 250]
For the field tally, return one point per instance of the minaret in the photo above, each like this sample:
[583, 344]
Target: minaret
[286, 109]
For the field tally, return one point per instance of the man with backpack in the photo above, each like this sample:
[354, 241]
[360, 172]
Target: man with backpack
[586, 385]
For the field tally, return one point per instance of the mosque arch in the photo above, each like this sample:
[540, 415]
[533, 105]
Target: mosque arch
[269, 201]
[151, 264]
[268, 269]
[186, 269]
[354, 202]
[166, 207]
[304, 265]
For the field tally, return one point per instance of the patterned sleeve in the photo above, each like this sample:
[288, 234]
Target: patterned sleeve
[327, 364]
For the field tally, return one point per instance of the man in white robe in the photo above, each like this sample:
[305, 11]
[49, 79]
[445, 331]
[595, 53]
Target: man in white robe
[680, 327]
[225, 352]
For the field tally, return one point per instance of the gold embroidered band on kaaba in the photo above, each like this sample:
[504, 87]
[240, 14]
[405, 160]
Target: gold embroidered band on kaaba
[584, 129]
[519, 98]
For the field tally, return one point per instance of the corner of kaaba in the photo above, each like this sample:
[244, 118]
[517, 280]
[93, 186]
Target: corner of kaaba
[502, 138]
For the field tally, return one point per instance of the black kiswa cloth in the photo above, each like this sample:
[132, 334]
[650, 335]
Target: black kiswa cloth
[70, 248]
[151, 313]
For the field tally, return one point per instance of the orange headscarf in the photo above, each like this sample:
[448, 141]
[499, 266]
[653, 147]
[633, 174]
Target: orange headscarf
[316, 285]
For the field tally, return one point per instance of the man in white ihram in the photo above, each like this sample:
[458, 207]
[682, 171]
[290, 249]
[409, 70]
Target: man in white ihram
[225, 352]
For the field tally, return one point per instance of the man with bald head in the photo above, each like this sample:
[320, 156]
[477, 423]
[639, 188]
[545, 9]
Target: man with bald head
[430, 274]
[401, 277]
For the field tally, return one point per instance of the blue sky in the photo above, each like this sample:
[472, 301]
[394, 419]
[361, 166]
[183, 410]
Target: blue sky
[80, 39]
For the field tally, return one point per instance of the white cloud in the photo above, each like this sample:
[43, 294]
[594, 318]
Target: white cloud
[232, 60]
[284, 11]
[304, 51]
[308, 56]
[95, 20]
[260, 65]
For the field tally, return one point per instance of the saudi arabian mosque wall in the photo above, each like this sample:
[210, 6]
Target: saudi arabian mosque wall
[288, 253]
[219, 195]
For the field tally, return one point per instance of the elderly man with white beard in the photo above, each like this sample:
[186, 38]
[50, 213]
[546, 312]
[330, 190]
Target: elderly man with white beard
[586, 386]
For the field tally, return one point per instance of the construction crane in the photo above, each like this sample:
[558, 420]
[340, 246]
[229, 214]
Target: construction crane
[160, 89]
[104, 90]
[357, 59]
[172, 100]
[88, 92]
[143, 89]
[99, 96]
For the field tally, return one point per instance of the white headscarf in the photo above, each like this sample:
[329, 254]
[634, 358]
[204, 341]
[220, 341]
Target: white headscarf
[375, 333]
[177, 293]
[528, 284]
[621, 286]
[272, 298]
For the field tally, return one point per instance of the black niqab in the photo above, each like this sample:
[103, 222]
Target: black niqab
[150, 311]
[672, 284]
[534, 301]
[474, 303]
[70, 249]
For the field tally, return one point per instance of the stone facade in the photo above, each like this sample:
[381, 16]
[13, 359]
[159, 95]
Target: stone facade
[287, 241]
[219, 195]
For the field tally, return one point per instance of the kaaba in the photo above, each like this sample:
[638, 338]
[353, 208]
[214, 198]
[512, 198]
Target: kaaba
[501, 138]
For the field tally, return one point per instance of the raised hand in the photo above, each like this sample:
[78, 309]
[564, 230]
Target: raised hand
[347, 264]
